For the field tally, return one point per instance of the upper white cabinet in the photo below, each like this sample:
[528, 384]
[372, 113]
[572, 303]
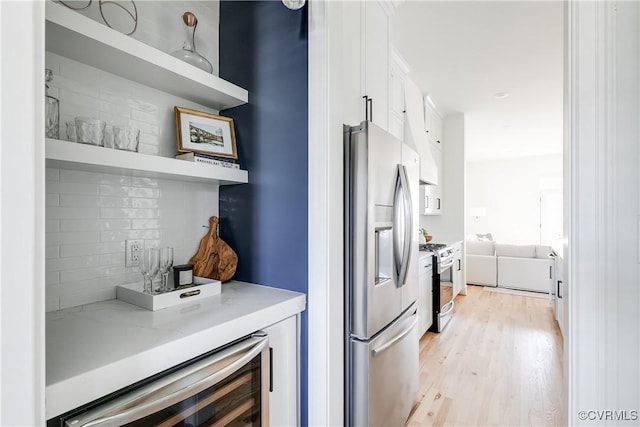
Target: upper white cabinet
[416, 134]
[398, 71]
[375, 66]
[82, 39]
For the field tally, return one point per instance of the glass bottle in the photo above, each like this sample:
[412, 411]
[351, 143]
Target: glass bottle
[188, 52]
[51, 109]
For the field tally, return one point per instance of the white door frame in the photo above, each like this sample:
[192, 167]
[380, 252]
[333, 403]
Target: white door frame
[22, 361]
[601, 209]
[594, 118]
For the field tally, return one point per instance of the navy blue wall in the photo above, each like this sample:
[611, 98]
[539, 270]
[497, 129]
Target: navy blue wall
[263, 48]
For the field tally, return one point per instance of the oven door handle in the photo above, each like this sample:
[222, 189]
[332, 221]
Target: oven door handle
[448, 310]
[446, 265]
[172, 389]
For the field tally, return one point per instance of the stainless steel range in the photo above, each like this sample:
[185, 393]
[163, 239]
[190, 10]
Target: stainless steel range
[442, 284]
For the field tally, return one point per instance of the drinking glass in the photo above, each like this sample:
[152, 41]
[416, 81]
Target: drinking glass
[149, 266]
[166, 262]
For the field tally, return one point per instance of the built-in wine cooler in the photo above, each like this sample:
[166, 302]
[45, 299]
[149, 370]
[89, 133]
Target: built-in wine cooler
[229, 387]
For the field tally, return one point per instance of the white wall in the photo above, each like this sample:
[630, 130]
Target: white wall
[509, 190]
[450, 226]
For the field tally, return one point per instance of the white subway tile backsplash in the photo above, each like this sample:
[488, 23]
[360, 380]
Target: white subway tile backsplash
[86, 188]
[52, 252]
[143, 192]
[86, 234]
[90, 215]
[52, 174]
[91, 249]
[114, 236]
[52, 303]
[67, 225]
[92, 177]
[51, 278]
[73, 238]
[91, 273]
[52, 226]
[77, 200]
[144, 203]
[55, 212]
[52, 199]
[143, 116]
[138, 181]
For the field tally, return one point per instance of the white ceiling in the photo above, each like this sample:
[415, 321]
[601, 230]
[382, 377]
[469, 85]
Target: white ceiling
[464, 52]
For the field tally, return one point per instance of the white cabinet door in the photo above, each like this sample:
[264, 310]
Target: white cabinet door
[425, 296]
[457, 269]
[426, 200]
[396, 104]
[376, 62]
[283, 397]
[436, 190]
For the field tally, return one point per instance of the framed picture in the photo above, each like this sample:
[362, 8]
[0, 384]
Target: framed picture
[206, 133]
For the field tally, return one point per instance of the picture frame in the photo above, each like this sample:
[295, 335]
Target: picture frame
[205, 133]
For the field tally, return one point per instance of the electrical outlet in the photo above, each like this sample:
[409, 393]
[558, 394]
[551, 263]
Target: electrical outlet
[133, 252]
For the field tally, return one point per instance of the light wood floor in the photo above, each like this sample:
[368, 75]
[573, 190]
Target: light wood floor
[498, 363]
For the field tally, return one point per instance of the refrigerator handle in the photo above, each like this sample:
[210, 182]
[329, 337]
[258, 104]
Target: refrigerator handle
[408, 221]
[392, 341]
[397, 250]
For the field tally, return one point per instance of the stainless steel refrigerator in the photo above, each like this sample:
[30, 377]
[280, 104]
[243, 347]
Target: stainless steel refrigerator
[381, 277]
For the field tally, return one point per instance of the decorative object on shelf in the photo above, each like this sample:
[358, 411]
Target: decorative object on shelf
[215, 259]
[182, 275]
[166, 262]
[71, 130]
[51, 109]
[90, 131]
[149, 266]
[108, 137]
[101, 6]
[425, 234]
[205, 133]
[126, 138]
[208, 160]
[294, 4]
[188, 52]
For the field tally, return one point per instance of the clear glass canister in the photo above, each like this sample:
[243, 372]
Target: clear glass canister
[188, 52]
[51, 109]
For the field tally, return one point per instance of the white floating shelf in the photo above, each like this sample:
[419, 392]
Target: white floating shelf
[70, 34]
[73, 155]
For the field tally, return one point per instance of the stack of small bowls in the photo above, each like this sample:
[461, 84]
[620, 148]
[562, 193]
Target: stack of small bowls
[87, 130]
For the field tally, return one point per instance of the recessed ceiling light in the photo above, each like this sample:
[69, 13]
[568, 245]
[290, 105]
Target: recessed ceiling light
[501, 95]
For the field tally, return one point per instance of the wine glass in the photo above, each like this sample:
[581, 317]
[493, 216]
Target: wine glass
[166, 262]
[149, 266]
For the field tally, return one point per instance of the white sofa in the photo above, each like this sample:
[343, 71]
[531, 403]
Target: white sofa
[481, 262]
[526, 267]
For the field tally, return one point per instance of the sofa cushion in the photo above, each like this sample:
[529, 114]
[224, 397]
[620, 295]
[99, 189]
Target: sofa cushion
[519, 251]
[543, 251]
[484, 247]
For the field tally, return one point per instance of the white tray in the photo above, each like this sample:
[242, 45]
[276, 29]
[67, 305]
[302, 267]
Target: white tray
[133, 294]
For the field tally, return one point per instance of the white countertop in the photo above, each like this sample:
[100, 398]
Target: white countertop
[99, 348]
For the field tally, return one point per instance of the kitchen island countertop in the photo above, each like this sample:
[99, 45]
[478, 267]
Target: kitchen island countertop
[96, 349]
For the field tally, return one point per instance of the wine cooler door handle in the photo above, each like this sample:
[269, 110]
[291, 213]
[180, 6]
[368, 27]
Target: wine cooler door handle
[169, 390]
